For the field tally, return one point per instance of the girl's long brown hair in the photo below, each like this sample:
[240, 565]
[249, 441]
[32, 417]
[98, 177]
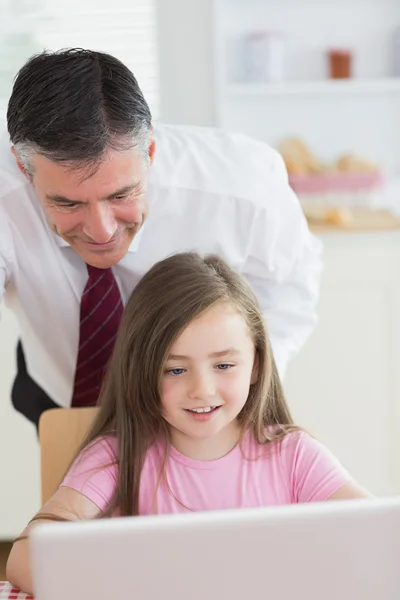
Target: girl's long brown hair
[173, 293]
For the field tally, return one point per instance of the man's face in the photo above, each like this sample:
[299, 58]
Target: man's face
[97, 215]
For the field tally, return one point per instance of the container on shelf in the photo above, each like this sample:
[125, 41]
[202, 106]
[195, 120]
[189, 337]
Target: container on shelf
[263, 56]
[350, 180]
[340, 63]
[339, 189]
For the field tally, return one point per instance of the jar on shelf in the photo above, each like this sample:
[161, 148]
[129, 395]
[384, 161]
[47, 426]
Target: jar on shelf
[340, 63]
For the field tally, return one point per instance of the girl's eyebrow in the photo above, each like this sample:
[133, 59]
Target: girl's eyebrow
[228, 351]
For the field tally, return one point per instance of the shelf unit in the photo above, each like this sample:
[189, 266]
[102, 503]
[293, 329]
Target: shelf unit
[384, 85]
[358, 115]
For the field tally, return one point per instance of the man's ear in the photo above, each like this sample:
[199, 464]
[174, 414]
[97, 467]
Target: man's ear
[152, 146]
[19, 163]
[254, 373]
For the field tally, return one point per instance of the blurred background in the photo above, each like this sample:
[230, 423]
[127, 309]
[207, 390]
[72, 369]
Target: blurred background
[326, 73]
[319, 80]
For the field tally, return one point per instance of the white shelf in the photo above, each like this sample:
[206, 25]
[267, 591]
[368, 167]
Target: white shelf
[329, 86]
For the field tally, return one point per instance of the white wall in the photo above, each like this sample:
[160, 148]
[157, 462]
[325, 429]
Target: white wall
[186, 61]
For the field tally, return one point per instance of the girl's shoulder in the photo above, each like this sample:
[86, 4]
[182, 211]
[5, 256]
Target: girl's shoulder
[292, 447]
[100, 449]
[276, 438]
[100, 453]
[311, 471]
[94, 472]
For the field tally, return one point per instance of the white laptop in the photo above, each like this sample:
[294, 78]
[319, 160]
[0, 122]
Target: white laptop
[339, 550]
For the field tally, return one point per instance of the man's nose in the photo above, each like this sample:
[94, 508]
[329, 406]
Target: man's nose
[100, 223]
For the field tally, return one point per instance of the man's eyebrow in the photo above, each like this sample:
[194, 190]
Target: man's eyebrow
[57, 199]
[125, 190]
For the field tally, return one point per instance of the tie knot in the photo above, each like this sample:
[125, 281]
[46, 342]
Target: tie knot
[95, 272]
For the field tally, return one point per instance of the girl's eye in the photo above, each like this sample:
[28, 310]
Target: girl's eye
[224, 367]
[175, 371]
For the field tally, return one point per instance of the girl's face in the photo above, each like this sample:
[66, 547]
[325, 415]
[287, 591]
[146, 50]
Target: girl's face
[206, 382]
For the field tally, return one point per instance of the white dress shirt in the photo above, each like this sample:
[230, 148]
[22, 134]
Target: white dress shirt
[209, 191]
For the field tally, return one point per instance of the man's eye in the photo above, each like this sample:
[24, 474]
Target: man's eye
[67, 205]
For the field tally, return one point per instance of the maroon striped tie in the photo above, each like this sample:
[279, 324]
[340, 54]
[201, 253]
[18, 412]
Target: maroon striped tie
[101, 311]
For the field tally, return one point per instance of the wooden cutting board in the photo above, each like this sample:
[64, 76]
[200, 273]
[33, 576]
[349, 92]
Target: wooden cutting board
[355, 219]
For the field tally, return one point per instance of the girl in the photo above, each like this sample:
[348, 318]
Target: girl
[192, 414]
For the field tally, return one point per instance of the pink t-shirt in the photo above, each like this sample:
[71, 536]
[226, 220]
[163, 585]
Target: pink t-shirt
[296, 469]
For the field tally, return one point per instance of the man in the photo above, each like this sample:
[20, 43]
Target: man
[87, 205]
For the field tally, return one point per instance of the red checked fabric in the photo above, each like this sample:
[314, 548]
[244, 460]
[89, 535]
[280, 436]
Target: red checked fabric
[7, 592]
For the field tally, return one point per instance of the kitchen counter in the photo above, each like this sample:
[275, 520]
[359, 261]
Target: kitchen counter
[344, 385]
[321, 220]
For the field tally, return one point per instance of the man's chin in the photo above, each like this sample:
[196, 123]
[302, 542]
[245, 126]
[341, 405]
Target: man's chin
[101, 256]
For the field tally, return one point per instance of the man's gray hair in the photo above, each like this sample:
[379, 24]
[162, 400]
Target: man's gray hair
[26, 150]
[73, 106]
